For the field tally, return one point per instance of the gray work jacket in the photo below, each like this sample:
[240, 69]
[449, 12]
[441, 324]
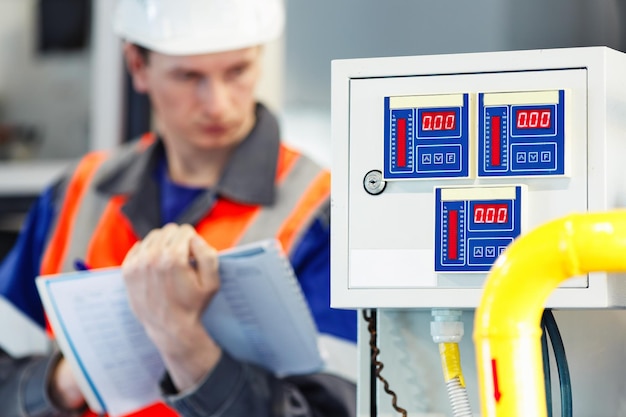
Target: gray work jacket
[232, 389]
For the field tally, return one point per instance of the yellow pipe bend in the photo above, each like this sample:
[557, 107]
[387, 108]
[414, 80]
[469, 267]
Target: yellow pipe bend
[507, 324]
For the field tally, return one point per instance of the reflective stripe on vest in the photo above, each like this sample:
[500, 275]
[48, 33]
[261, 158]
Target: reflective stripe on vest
[295, 208]
[57, 248]
[92, 227]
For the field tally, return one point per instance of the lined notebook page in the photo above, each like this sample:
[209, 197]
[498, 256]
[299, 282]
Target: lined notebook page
[271, 323]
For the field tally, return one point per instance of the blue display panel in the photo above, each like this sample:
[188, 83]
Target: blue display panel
[471, 233]
[521, 139]
[426, 142]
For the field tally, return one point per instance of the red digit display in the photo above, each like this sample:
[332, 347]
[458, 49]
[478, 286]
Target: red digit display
[491, 213]
[438, 120]
[533, 118]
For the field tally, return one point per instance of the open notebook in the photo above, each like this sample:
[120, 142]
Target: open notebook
[259, 315]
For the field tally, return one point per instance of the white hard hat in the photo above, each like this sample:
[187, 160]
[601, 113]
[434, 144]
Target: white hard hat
[189, 27]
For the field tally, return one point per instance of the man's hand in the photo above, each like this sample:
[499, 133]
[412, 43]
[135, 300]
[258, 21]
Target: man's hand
[171, 276]
[64, 390]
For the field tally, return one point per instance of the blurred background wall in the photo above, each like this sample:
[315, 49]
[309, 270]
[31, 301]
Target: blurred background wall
[43, 88]
[323, 30]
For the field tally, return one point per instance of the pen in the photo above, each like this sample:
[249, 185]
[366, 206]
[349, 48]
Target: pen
[80, 265]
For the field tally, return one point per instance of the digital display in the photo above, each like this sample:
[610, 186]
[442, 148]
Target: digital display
[533, 118]
[491, 213]
[438, 120]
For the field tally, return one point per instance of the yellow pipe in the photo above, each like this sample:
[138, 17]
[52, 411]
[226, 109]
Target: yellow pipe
[507, 323]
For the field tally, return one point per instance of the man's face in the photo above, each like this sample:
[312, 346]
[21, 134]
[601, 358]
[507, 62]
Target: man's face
[201, 102]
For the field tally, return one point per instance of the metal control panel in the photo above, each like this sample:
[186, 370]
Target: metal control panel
[441, 161]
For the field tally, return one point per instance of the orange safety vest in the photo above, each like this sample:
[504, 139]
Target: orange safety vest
[92, 227]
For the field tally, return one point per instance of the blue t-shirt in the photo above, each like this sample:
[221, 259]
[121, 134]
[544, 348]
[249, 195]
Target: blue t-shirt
[175, 198]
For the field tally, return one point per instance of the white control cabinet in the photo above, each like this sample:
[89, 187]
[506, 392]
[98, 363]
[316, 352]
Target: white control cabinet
[439, 162]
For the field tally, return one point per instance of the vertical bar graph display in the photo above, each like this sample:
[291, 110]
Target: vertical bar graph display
[495, 141]
[495, 150]
[401, 150]
[452, 230]
[401, 144]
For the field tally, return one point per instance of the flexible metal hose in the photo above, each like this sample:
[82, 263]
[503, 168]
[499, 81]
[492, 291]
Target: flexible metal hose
[455, 383]
[459, 399]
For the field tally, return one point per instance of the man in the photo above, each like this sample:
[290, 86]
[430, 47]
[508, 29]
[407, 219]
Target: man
[213, 175]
